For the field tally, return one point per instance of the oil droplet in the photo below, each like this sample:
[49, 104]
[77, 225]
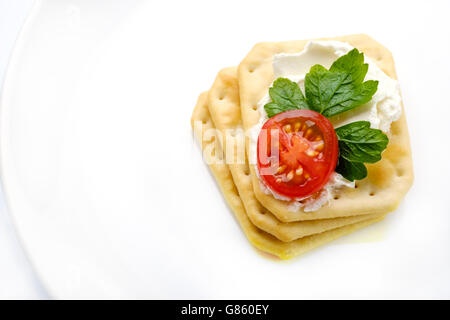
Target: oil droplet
[376, 232]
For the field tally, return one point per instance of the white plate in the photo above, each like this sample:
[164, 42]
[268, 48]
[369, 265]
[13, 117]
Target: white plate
[109, 193]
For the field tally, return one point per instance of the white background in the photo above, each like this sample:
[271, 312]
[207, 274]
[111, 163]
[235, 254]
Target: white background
[215, 34]
[17, 279]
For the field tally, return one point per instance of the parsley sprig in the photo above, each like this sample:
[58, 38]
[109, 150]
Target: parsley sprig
[331, 92]
[358, 144]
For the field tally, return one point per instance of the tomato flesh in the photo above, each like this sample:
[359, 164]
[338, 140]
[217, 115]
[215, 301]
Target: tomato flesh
[297, 152]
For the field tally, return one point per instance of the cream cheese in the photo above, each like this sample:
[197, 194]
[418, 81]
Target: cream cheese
[380, 111]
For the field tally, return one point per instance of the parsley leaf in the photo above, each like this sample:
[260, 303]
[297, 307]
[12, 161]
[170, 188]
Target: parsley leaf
[285, 95]
[341, 88]
[351, 170]
[358, 144]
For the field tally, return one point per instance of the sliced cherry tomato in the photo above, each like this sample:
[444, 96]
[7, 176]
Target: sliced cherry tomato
[297, 152]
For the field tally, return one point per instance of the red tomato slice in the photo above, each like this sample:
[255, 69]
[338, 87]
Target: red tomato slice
[297, 152]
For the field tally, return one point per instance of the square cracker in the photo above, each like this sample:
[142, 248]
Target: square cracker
[225, 111]
[388, 180]
[257, 237]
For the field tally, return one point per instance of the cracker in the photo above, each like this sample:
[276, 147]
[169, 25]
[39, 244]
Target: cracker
[257, 237]
[225, 111]
[388, 180]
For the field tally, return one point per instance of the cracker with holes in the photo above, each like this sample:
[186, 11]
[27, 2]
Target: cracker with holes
[225, 111]
[312, 141]
[260, 239]
[326, 128]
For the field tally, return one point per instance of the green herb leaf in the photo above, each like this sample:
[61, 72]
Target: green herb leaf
[341, 88]
[351, 170]
[285, 95]
[358, 144]
[273, 109]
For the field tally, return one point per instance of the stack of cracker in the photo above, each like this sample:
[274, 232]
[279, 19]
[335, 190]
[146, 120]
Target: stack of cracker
[270, 224]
